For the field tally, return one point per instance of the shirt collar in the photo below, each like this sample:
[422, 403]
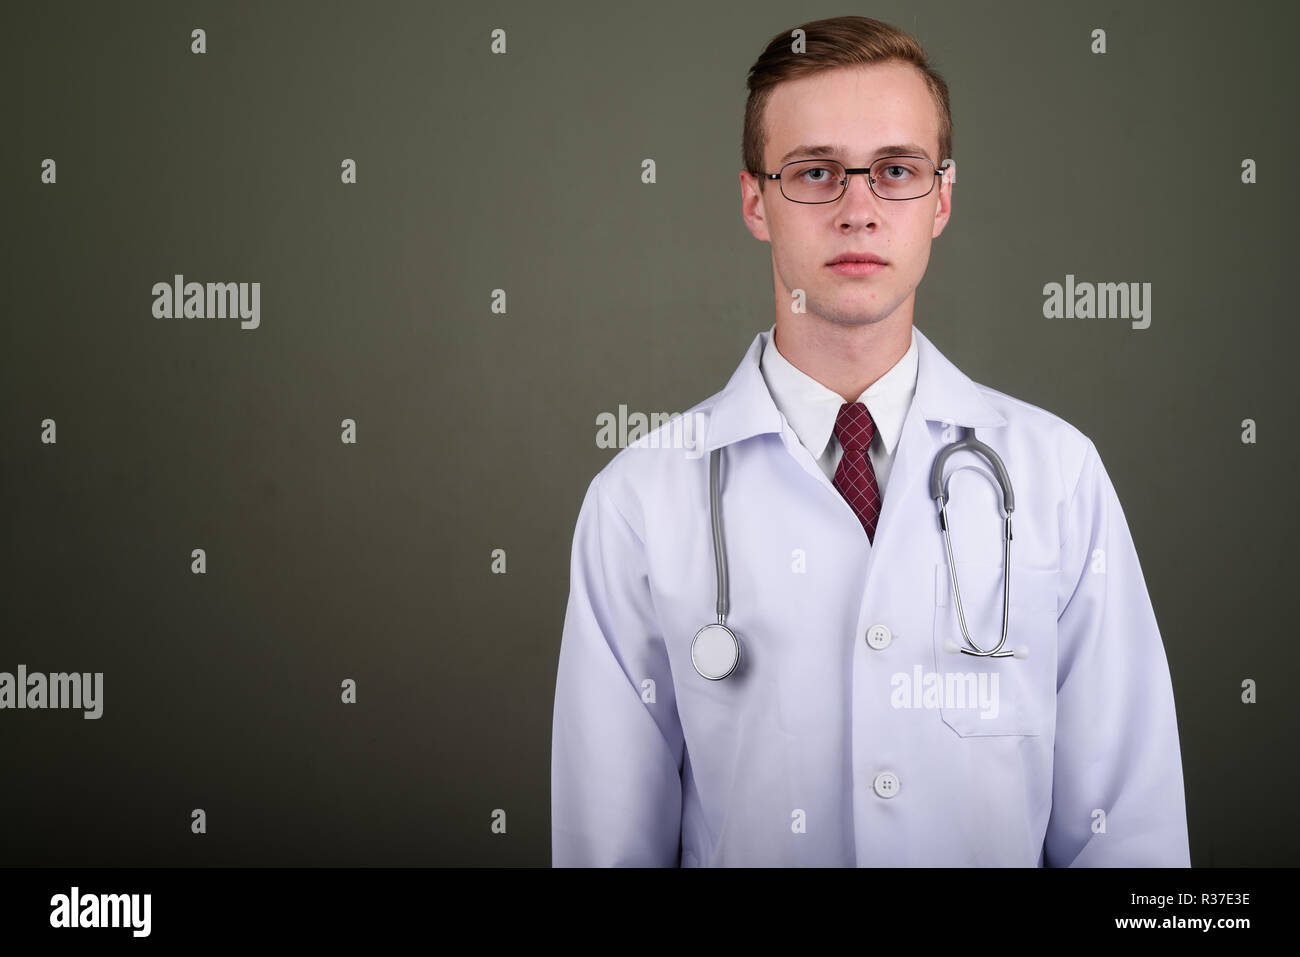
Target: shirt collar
[745, 407]
[812, 409]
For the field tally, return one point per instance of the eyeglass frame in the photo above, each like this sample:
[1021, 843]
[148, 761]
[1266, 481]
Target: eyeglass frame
[844, 185]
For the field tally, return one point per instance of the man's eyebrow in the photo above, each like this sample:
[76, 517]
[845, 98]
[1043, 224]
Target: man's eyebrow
[896, 149]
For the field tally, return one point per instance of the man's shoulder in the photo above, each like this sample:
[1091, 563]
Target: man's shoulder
[662, 451]
[1025, 415]
[1041, 432]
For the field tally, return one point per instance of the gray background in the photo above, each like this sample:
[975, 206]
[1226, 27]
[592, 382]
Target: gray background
[477, 431]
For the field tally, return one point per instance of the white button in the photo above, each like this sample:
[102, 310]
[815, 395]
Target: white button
[885, 784]
[879, 637]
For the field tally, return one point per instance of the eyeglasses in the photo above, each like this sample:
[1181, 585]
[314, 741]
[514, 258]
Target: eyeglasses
[824, 181]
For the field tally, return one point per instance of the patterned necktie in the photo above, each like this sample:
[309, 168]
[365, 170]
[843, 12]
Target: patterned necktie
[854, 476]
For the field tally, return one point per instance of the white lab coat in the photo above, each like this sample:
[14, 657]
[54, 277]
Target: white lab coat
[830, 746]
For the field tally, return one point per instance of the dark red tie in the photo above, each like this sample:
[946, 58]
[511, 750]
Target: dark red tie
[854, 476]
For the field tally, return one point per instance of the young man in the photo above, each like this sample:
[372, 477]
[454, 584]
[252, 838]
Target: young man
[850, 730]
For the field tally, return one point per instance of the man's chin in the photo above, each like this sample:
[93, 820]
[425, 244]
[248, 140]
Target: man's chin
[844, 314]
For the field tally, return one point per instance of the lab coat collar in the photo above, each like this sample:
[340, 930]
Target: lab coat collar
[944, 393]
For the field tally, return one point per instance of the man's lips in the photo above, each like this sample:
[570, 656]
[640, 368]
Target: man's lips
[863, 257]
[856, 268]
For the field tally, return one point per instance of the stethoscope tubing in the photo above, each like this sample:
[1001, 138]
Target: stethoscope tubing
[719, 545]
[938, 491]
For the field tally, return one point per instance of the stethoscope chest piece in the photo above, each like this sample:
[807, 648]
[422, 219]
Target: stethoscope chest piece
[715, 651]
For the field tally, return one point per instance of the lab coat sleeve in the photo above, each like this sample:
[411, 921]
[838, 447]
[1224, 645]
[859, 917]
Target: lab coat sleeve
[616, 790]
[1117, 789]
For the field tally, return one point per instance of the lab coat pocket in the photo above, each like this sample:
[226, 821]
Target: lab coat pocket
[980, 696]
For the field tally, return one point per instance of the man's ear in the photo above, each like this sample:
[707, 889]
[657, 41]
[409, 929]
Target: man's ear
[943, 209]
[753, 206]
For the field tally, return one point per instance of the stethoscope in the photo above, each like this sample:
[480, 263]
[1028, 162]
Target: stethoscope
[715, 650]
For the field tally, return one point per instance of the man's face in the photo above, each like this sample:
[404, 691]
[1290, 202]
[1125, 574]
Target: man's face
[858, 110]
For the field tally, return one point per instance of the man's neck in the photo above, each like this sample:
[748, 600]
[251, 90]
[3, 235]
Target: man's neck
[845, 359]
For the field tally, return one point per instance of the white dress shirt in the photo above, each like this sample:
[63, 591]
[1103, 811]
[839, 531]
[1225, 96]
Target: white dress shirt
[811, 408]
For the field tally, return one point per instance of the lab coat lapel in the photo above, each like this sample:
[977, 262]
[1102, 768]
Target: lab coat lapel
[746, 408]
[947, 398]
[907, 493]
[945, 394]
